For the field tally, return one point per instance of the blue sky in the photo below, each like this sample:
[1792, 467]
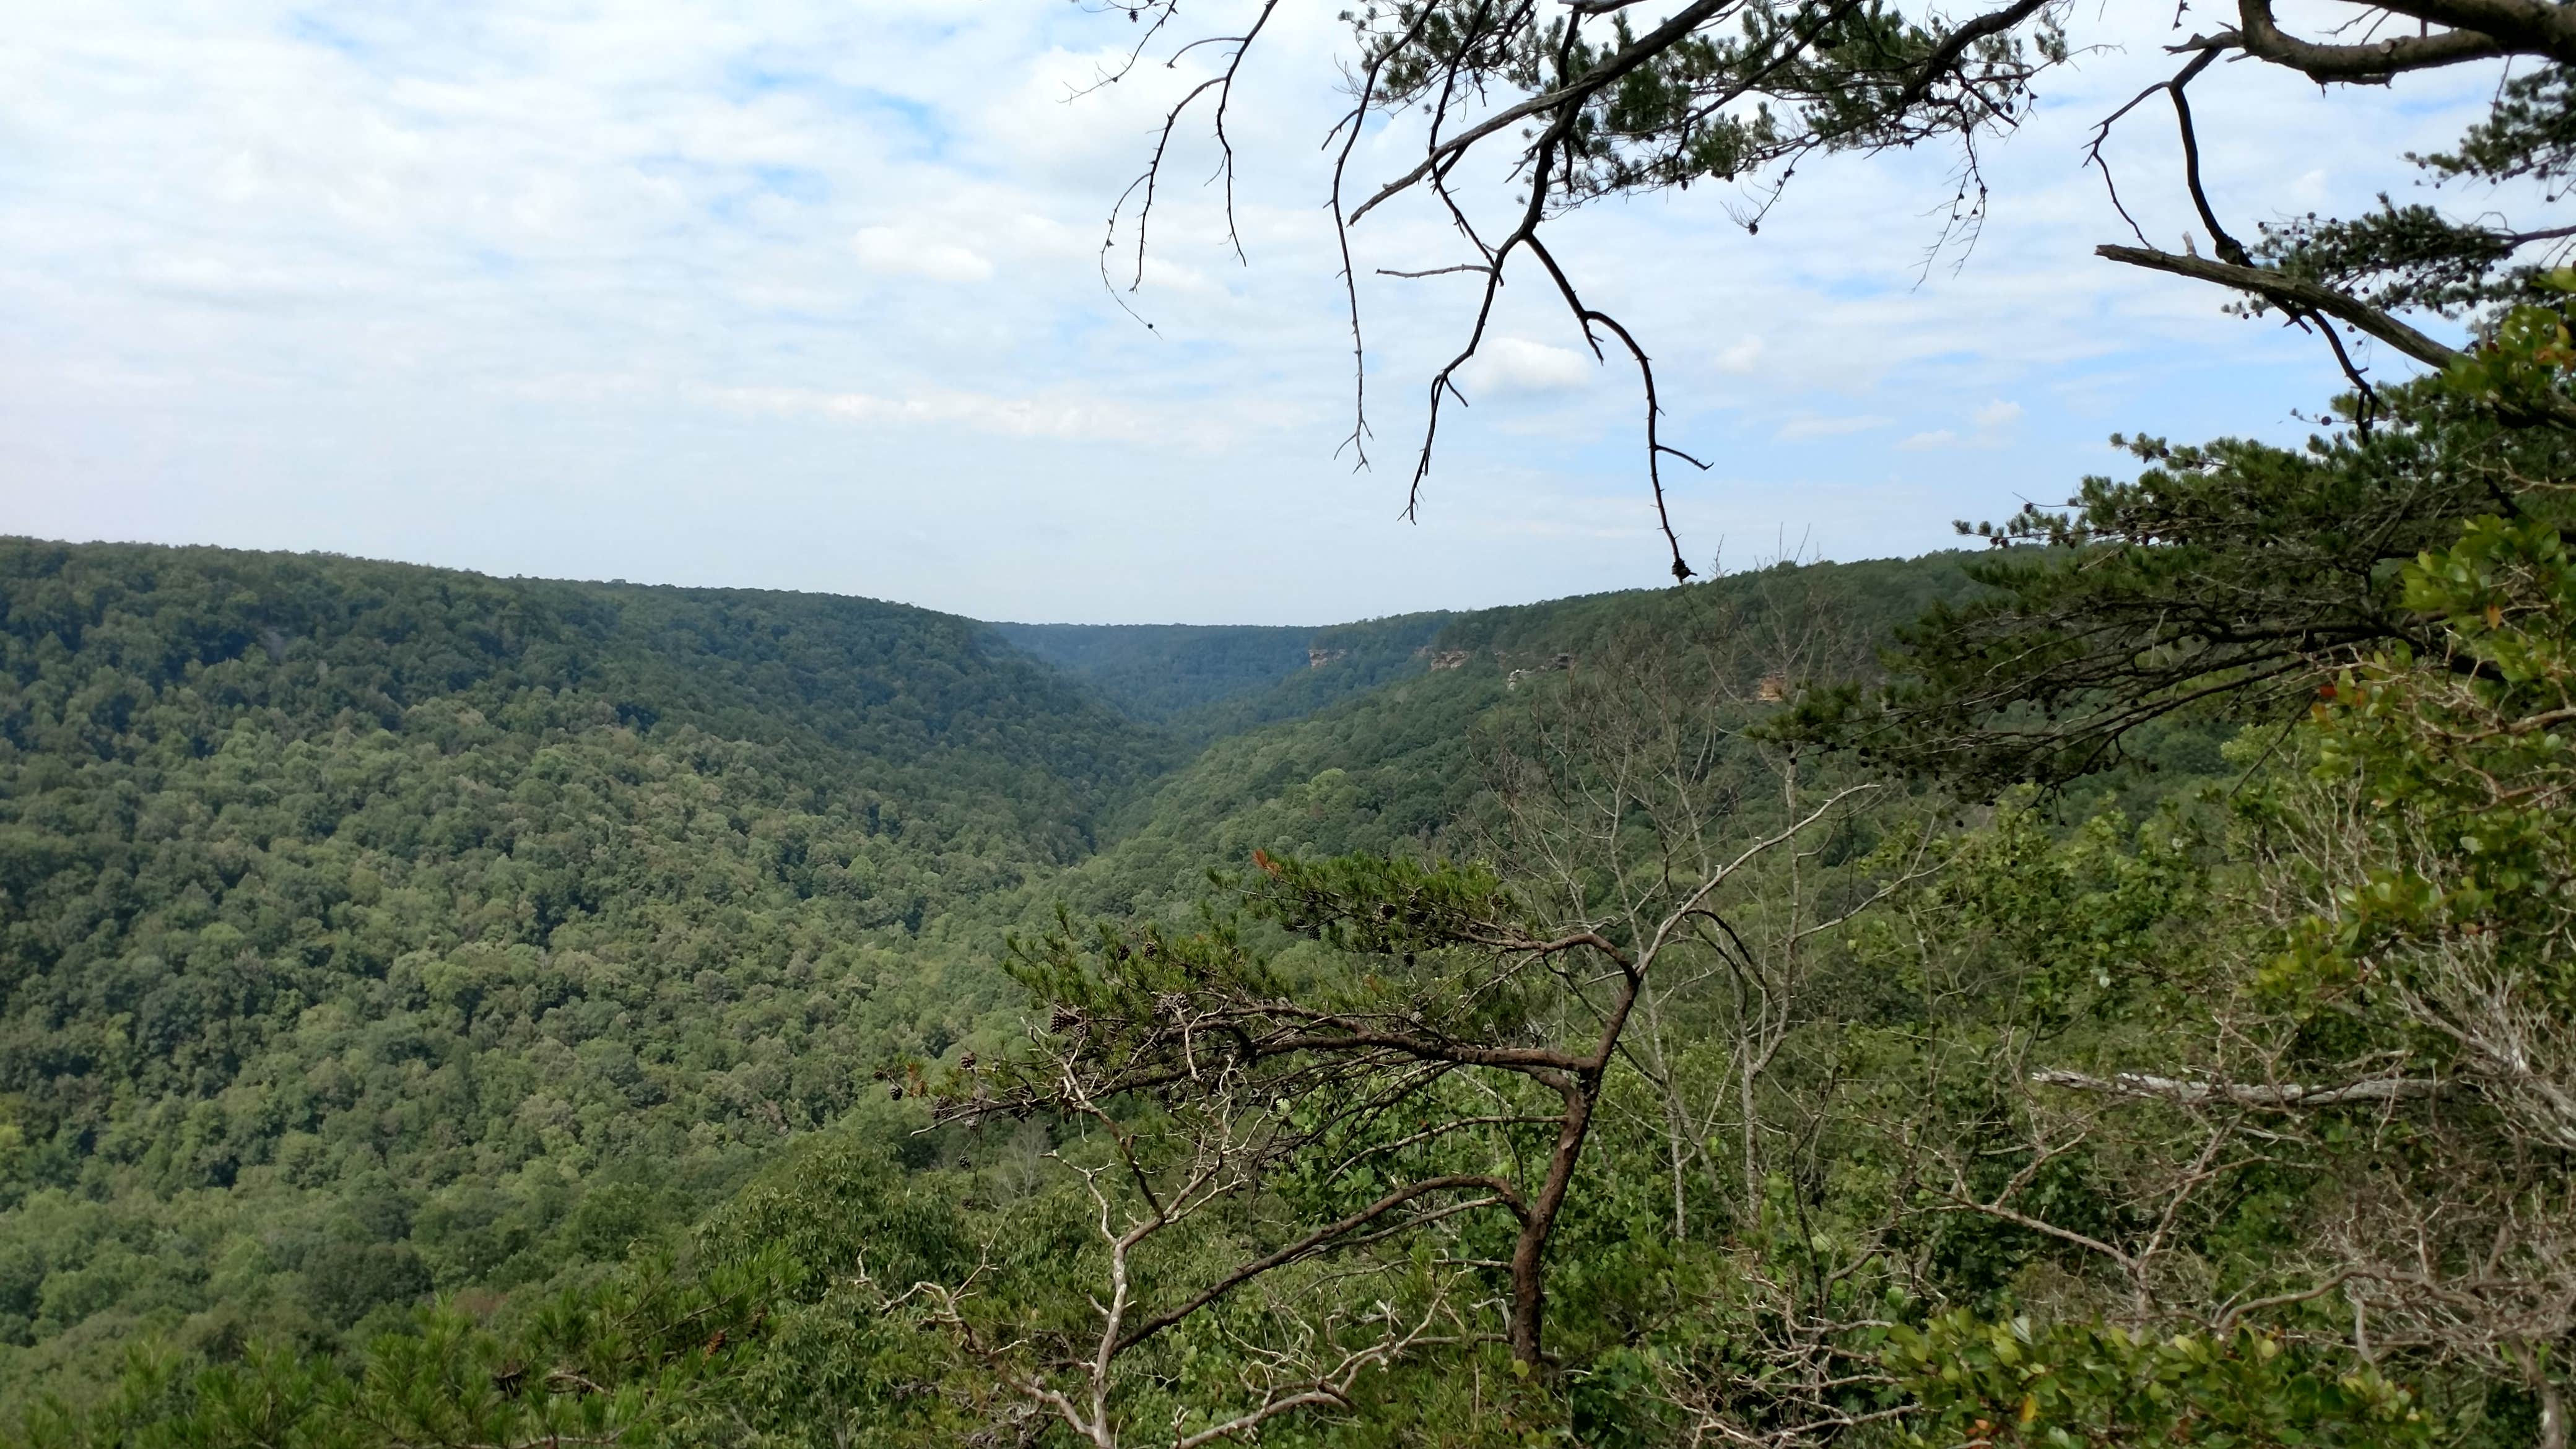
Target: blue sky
[805, 295]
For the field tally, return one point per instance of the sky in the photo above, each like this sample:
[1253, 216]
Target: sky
[807, 294]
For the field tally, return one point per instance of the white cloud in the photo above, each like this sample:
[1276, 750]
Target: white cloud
[506, 286]
[887, 249]
[1987, 427]
[1508, 365]
[224, 282]
[1741, 358]
[1812, 426]
[1061, 413]
[1022, 417]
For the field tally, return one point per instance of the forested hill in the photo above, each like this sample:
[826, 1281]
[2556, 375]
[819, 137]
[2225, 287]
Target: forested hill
[1389, 769]
[370, 931]
[121, 651]
[370, 927]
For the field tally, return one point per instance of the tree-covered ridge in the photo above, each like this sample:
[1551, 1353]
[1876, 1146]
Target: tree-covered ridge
[1387, 770]
[371, 930]
[889, 685]
[1660, 1019]
[1802, 1244]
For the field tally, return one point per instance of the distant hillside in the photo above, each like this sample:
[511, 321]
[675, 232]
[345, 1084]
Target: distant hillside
[1155, 671]
[1201, 681]
[1389, 768]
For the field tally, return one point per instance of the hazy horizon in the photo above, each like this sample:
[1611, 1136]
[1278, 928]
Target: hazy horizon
[914, 604]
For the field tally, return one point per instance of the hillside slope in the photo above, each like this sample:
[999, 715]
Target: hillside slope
[368, 929]
[1389, 768]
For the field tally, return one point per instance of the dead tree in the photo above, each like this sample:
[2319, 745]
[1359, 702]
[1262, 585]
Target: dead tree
[1159, 1174]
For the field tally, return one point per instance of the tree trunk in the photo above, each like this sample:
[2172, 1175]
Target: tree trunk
[1529, 1274]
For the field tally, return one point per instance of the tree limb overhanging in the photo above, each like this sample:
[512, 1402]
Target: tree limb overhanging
[2291, 291]
[1731, 91]
[1577, 101]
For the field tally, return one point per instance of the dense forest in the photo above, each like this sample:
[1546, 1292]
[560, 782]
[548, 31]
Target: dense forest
[1960, 1001]
[1201, 681]
[378, 933]
[2114, 988]
[375, 930]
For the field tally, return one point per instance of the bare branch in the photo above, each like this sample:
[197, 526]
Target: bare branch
[2245, 1094]
[1317, 1241]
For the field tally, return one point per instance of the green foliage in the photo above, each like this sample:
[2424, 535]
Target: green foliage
[2077, 1386]
[627, 1360]
[1341, 662]
[2473, 761]
[2226, 578]
[1381, 906]
[369, 930]
[2396, 257]
[1153, 672]
[2391, 907]
[2531, 132]
[757, 1333]
[2218, 583]
[376, 1079]
[394, 964]
[376, 932]
[1832, 80]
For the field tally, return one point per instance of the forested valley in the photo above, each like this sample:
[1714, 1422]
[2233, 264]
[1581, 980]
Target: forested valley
[2111, 986]
[376, 932]
[465, 1011]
